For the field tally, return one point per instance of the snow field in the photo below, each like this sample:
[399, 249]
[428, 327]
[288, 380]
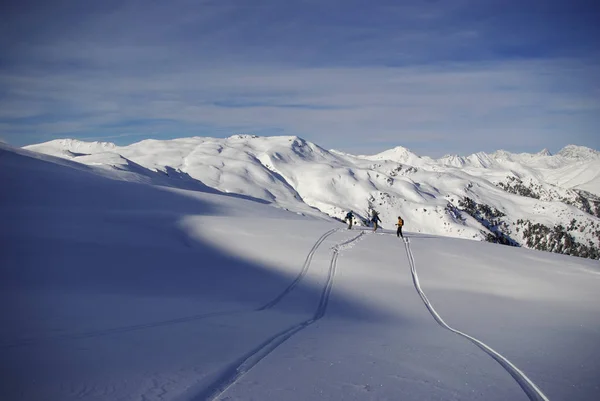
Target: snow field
[116, 289]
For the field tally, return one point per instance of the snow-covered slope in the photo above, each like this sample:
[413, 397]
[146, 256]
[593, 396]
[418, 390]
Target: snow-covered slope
[115, 286]
[72, 147]
[519, 199]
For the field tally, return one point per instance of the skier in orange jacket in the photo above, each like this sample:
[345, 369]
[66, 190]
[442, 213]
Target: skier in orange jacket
[399, 224]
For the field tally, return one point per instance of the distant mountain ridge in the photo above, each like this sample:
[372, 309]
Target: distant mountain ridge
[566, 155]
[540, 201]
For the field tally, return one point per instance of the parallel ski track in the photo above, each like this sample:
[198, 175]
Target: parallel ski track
[302, 273]
[532, 391]
[185, 319]
[252, 358]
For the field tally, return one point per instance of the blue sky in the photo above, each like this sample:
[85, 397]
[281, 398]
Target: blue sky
[437, 77]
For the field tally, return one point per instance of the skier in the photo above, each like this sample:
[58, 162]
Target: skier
[399, 224]
[375, 219]
[349, 217]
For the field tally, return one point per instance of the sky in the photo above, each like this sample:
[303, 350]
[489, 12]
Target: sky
[360, 76]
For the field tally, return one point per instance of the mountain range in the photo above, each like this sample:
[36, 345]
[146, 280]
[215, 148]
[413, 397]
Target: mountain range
[539, 201]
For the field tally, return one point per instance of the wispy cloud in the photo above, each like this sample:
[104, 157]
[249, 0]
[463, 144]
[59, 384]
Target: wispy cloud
[438, 76]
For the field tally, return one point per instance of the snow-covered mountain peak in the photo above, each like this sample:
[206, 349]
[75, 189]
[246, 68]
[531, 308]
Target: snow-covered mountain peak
[297, 147]
[294, 143]
[452, 161]
[502, 155]
[579, 153]
[477, 160]
[399, 154]
[480, 159]
[398, 151]
[544, 152]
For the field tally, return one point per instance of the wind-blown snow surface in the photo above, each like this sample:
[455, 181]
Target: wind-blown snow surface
[115, 286]
[300, 176]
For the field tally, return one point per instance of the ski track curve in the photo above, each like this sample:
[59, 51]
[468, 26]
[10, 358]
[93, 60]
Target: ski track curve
[185, 319]
[532, 391]
[243, 365]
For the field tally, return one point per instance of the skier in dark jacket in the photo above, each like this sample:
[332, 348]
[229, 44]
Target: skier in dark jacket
[349, 218]
[375, 219]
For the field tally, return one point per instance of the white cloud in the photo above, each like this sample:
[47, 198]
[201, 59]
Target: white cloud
[485, 103]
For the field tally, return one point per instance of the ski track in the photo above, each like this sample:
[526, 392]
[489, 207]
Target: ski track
[302, 273]
[238, 369]
[532, 391]
[185, 319]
